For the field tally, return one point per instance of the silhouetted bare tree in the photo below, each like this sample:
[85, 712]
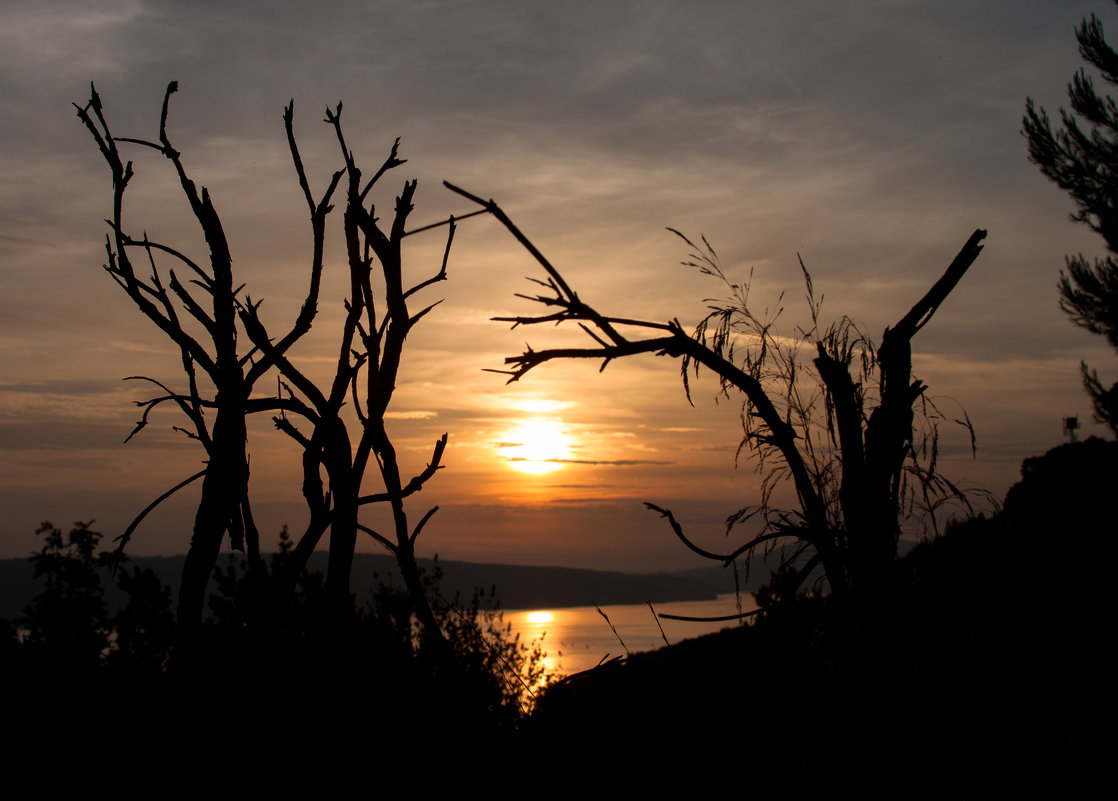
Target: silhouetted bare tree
[1084, 164]
[224, 504]
[368, 343]
[851, 482]
[369, 359]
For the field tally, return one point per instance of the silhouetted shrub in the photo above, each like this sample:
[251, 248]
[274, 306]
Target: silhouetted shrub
[1082, 163]
[336, 685]
[67, 624]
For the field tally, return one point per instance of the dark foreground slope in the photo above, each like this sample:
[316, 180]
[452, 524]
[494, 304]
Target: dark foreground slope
[967, 670]
[986, 665]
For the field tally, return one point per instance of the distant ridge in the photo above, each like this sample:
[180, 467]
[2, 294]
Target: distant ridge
[517, 586]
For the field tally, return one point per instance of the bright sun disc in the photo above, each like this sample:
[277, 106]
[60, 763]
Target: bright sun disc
[536, 447]
[539, 617]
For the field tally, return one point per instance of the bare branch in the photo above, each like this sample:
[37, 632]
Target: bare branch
[451, 220]
[416, 484]
[291, 404]
[147, 244]
[441, 275]
[532, 358]
[716, 619]
[259, 336]
[304, 184]
[389, 163]
[919, 315]
[124, 538]
[415, 318]
[422, 522]
[192, 306]
[726, 559]
[319, 211]
[496, 211]
[191, 405]
[287, 427]
[387, 543]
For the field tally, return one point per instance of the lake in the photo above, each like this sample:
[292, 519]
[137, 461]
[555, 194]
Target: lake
[578, 638]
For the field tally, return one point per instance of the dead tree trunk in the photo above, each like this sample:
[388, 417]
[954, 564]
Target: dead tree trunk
[224, 504]
[873, 451]
[853, 527]
[369, 358]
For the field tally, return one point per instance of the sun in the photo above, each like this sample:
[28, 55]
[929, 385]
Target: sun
[536, 446]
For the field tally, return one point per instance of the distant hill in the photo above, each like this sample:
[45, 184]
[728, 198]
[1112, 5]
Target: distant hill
[517, 586]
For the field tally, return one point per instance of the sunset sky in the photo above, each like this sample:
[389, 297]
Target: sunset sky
[869, 137]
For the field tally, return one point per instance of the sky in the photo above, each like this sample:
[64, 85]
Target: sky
[868, 138]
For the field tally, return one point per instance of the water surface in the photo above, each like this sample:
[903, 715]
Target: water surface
[577, 638]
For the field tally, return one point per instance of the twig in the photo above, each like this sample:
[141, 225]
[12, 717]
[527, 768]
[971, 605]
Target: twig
[715, 619]
[614, 630]
[657, 619]
[127, 535]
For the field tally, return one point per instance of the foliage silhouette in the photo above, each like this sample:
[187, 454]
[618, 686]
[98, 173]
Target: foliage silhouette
[66, 623]
[332, 688]
[144, 628]
[857, 472]
[1084, 163]
[69, 627]
[491, 673]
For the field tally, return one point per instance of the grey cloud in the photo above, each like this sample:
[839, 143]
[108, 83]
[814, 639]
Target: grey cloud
[23, 243]
[69, 435]
[62, 386]
[870, 136]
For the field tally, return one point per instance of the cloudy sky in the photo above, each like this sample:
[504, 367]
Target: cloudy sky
[869, 137]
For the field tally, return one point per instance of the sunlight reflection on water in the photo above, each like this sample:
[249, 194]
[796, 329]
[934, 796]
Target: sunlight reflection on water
[582, 637]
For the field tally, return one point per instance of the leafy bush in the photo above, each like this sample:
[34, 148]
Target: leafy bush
[487, 673]
[68, 625]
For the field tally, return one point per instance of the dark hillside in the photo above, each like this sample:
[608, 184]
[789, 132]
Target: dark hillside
[517, 586]
[985, 661]
[988, 659]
